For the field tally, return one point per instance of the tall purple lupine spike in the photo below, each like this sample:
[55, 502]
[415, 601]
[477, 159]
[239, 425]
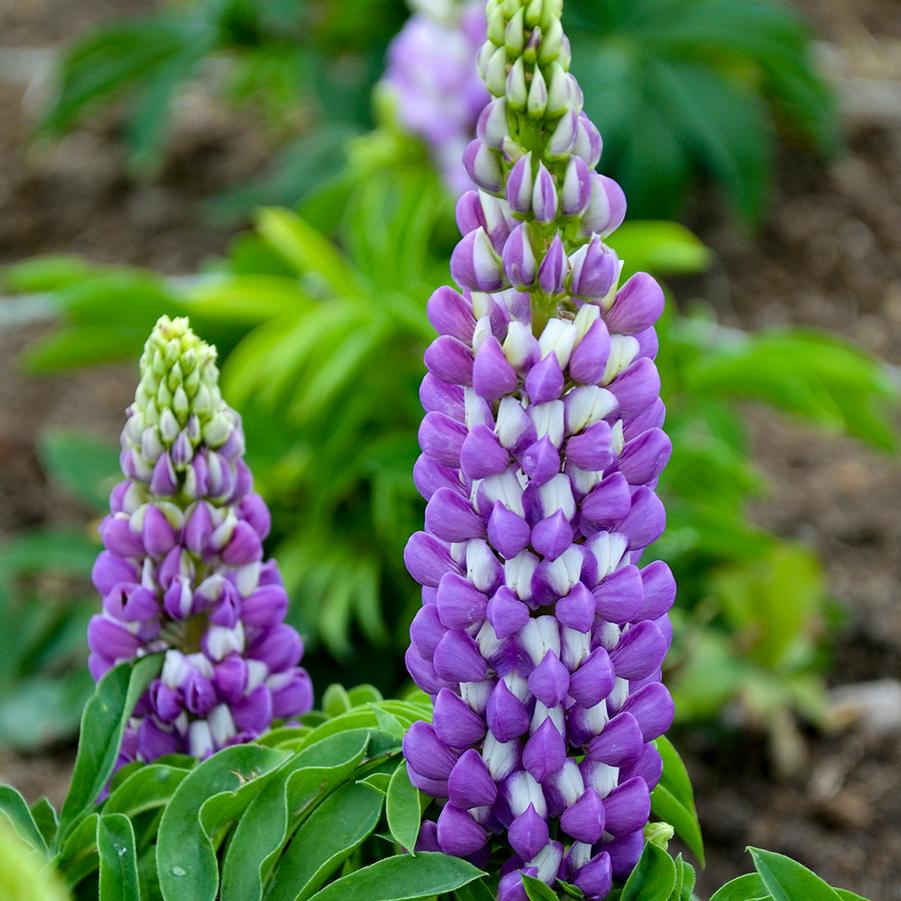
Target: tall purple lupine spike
[540, 637]
[183, 569]
[432, 77]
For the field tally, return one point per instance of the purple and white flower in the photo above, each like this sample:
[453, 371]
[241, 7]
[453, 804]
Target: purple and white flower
[541, 636]
[183, 571]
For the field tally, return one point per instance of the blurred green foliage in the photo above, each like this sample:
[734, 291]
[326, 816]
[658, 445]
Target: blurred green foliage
[681, 89]
[321, 339]
[46, 600]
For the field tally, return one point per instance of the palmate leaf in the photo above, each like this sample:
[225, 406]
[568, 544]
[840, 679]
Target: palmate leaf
[681, 87]
[115, 58]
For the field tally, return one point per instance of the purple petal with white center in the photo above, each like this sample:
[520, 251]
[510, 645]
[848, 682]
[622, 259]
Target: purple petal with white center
[608, 502]
[577, 609]
[591, 449]
[595, 268]
[507, 716]
[459, 603]
[492, 374]
[528, 833]
[646, 520]
[619, 596]
[637, 306]
[482, 455]
[458, 832]
[544, 196]
[426, 753]
[545, 380]
[470, 785]
[520, 266]
[545, 751]
[549, 681]
[576, 191]
[653, 710]
[648, 767]
[589, 359]
[553, 268]
[457, 658]
[450, 517]
[475, 263]
[659, 589]
[427, 559]
[541, 461]
[627, 807]
[483, 166]
[253, 713]
[442, 397]
[426, 630]
[506, 613]
[429, 476]
[620, 743]
[552, 535]
[644, 458]
[450, 314]
[584, 820]
[637, 387]
[507, 532]
[456, 724]
[596, 877]
[449, 360]
[640, 651]
[519, 185]
[593, 680]
[422, 672]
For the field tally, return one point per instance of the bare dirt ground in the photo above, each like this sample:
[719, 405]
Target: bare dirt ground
[829, 255]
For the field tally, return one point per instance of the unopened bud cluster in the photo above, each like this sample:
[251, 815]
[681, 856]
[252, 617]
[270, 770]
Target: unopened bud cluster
[540, 636]
[183, 569]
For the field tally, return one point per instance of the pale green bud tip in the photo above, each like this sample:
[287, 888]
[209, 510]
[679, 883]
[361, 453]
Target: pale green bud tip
[659, 834]
[178, 374]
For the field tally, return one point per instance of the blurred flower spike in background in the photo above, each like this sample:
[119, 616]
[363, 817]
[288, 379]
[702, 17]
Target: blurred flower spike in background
[183, 570]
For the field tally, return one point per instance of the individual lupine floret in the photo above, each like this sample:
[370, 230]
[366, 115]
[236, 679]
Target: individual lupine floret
[183, 570]
[432, 78]
[540, 637]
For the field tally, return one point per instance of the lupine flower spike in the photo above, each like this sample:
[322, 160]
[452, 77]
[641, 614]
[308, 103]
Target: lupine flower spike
[183, 569]
[540, 636]
[434, 83]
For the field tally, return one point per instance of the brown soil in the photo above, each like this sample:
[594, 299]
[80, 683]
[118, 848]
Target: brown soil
[829, 255]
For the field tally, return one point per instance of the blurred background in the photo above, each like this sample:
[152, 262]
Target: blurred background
[252, 164]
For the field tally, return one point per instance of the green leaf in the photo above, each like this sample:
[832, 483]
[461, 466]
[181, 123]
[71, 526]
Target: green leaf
[335, 700]
[673, 799]
[475, 891]
[306, 249]
[845, 895]
[653, 877]
[218, 791]
[334, 830]
[403, 809]
[82, 345]
[46, 818]
[745, 888]
[85, 466]
[48, 549]
[788, 880]
[262, 830]
[536, 890]
[118, 859]
[78, 850]
[664, 248]
[102, 725]
[14, 808]
[402, 878]
[146, 788]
